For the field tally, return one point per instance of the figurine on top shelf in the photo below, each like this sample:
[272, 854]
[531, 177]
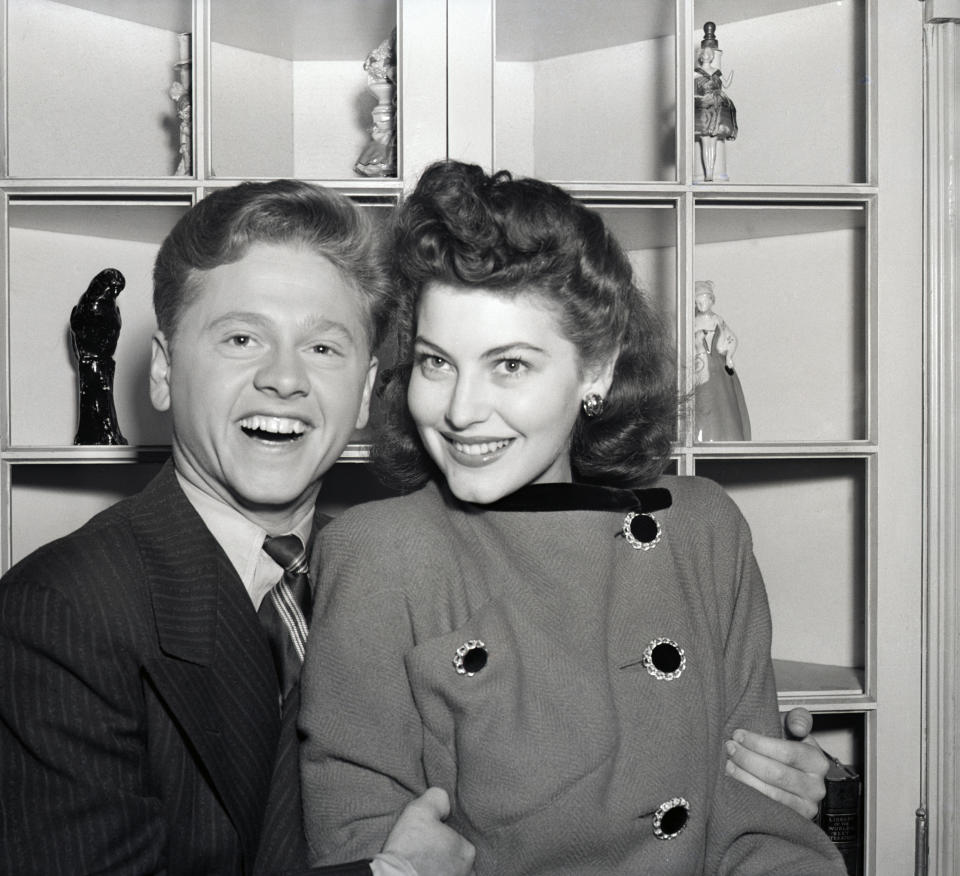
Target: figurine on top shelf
[720, 409]
[180, 93]
[95, 329]
[714, 115]
[379, 157]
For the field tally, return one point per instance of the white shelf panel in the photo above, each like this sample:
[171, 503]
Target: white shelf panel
[71, 454]
[801, 679]
[809, 521]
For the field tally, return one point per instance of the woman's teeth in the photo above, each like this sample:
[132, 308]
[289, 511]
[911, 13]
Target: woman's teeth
[480, 449]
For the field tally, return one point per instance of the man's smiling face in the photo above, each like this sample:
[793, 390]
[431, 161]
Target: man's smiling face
[267, 376]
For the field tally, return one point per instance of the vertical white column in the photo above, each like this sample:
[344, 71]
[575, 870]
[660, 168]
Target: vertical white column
[422, 47]
[942, 326]
[470, 45]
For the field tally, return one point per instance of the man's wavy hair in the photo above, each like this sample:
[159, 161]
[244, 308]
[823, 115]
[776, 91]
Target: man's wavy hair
[517, 237]
[221, 228]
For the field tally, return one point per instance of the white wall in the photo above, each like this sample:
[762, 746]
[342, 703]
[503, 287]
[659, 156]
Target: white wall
[108, 77]
[49, 271]
[608, 114]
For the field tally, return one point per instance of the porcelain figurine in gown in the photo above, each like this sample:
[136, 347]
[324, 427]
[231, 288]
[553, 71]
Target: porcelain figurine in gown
[721, 410]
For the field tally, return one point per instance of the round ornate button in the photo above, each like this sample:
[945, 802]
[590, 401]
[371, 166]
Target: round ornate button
[641, 530]
[664, 659]
[670, 818]
[470, 658]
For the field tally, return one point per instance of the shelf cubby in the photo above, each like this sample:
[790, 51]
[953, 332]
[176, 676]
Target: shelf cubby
[792, 282]
[288, 91]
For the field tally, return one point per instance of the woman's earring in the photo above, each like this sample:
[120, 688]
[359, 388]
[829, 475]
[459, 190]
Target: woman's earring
[592, 404]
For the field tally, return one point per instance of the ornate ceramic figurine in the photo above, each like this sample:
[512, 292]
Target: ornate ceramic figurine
[180, 93]
[95, 328]
[379, 157]
[714, 115]
[721, 411]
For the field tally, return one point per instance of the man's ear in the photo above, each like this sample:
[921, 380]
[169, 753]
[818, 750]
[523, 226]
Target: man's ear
[369, 381]
[160, 372]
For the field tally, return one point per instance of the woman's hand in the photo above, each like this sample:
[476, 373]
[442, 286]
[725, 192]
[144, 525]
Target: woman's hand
[788, 770]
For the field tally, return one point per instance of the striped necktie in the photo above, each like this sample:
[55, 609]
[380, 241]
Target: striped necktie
[285, 610]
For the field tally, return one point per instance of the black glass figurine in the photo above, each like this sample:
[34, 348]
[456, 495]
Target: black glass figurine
[95, 328]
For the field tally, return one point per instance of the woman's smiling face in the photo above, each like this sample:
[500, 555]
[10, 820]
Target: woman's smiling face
[495, 391]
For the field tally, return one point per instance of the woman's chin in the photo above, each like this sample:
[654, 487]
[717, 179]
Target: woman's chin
[479, 490]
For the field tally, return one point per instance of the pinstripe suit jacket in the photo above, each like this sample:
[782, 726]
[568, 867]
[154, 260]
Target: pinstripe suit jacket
[138, 701]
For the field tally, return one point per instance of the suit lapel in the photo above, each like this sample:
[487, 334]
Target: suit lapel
[214, 671]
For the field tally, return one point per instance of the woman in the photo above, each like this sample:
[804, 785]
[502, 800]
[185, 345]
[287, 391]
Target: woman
[547, 628]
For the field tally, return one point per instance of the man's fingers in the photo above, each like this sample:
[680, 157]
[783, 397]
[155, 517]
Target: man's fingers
[799, 723]
[435, 802]
[804, 757]
[799, 804]
[794, 767]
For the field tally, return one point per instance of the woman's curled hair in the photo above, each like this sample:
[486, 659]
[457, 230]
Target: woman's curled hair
[518, 236]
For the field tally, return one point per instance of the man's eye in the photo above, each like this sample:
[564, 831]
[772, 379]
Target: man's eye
[240, 340]
[327, 350]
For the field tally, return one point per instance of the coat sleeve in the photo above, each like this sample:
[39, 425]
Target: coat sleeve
[72, 751]
[361, 733]
[750, 834]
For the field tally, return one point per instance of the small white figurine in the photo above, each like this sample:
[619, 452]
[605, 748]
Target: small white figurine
[180, 93]
[379, 157]
[720, 408]
[714, 115]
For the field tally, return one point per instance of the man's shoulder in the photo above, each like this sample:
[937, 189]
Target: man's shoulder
[80, 546]
[102, 549]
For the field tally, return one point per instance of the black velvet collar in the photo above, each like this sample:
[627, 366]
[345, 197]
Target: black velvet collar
[582, 497]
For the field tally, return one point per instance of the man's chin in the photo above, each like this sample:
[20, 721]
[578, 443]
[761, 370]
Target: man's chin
[276, 500]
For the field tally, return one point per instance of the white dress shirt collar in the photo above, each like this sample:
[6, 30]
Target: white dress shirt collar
[242, 539]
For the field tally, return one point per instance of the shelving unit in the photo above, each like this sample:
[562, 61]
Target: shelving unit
[813, 245]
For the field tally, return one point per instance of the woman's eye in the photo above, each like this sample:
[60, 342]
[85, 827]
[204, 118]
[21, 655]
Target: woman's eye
[430, 362]
[512, 366]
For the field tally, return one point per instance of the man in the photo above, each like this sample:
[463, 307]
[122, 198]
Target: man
[139, 718]
[140, 708]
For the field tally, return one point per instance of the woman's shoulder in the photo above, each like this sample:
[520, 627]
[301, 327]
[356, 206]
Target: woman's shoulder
[392, 518]
[699, 499]
[689, 486]
[381, 547]
[704, 523]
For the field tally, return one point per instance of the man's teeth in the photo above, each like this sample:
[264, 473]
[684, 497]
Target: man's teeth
[276, 425]
[481, 449]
